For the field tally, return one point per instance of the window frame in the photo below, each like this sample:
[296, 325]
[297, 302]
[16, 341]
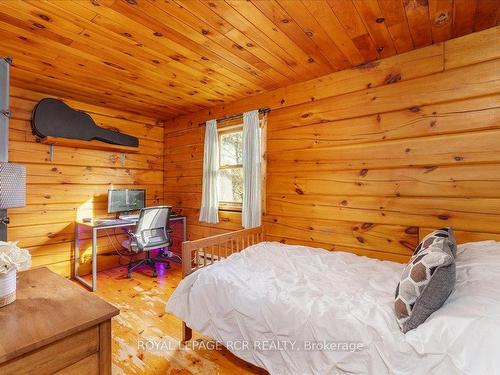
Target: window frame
[224, 205]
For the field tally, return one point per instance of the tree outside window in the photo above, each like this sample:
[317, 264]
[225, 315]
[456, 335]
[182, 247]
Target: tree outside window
[231, 168]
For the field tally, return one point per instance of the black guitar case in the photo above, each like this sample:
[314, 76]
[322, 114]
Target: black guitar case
[53, 118]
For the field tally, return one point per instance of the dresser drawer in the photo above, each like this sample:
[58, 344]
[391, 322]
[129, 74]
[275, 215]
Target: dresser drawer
[56, 356]
[87, 366]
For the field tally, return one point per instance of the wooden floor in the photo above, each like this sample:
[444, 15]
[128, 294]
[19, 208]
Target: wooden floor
[141, 301]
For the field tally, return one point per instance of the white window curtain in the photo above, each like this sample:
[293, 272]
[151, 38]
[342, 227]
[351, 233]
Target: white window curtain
[252, 161]
[209, 211]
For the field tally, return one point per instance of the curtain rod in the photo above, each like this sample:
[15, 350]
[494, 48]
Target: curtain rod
[262, 111]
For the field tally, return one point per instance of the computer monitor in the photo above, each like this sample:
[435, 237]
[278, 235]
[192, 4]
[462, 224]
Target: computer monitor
[125, 200]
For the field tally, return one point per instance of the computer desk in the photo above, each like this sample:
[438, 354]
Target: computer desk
[95, 226]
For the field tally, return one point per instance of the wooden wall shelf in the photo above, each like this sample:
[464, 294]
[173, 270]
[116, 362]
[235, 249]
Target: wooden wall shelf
[94, 145]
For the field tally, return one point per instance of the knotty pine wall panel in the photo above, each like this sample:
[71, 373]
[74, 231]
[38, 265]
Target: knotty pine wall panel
[369, 159]
[75, 184]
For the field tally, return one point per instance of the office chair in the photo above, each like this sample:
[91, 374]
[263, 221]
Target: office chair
[152, 232]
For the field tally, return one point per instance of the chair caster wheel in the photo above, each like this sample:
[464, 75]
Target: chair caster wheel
[155, 274]
[129, 275]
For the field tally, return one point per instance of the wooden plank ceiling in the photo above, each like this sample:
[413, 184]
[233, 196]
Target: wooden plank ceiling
[168, 57]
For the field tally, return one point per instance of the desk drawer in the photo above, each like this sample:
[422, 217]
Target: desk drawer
[56, 356]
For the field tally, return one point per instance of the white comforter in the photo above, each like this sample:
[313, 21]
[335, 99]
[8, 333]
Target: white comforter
[272, 303]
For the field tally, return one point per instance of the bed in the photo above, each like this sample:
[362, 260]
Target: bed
[302, 310]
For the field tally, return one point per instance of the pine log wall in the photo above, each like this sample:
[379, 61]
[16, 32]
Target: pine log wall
[75, 184]
[369, 159]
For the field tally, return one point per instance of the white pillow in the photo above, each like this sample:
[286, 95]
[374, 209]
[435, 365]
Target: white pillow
[467, 326]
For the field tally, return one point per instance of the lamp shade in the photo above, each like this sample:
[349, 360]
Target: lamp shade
[12, 185]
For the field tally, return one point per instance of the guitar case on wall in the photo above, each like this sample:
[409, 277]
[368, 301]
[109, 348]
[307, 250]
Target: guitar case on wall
[54, 118]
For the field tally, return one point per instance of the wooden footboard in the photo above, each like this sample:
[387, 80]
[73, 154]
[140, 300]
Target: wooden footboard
[206, 251]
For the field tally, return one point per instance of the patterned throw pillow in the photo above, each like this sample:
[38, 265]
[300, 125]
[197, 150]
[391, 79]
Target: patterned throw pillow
[443, 232]
[427, 280]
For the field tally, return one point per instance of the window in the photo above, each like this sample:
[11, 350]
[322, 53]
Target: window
[231, 168]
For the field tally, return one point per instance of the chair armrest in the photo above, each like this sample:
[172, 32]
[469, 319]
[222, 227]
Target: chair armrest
[132, 235]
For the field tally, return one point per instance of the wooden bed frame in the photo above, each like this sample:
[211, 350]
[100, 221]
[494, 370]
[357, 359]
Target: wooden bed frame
[206, 251]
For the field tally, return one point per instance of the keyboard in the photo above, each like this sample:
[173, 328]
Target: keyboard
[108, 222]
[129, 217]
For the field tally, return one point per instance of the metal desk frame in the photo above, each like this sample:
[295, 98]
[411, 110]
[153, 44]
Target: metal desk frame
[95, 228]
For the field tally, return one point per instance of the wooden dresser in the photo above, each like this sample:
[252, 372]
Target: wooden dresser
[55, 327]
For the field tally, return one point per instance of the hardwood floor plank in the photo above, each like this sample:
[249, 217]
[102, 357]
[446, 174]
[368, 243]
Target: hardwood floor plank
[143, 321]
